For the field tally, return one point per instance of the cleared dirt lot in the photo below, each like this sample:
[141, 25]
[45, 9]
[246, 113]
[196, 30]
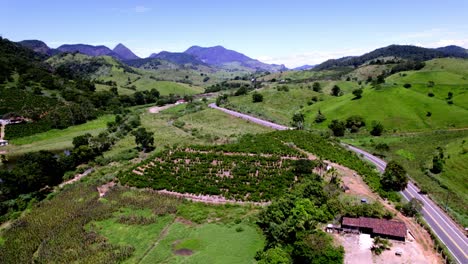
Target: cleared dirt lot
[357, 248]
[418, 248]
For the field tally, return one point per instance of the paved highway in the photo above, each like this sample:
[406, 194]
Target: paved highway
[442, 225]
[250, 118]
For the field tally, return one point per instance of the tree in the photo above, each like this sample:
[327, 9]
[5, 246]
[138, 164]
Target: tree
[337, 127]
[256, 97]
[394, 177]
[304, 166]
[319, 118]
[438, 161]
[222, 99]
[298, 120]
[336, 90]
[380, 244]
[188, 98]
[354, 123]
[241, 91]
[407, 85]
[357, 93]
[82, 140]
[275, 255]
[412, 208]
[316, 87]
[317, 247]
[377, 129]
[144, 139]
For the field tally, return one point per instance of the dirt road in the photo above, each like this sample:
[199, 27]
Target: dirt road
[157, 109]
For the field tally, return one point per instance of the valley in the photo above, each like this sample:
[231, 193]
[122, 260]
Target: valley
[211, 156]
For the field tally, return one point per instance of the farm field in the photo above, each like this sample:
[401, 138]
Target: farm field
[415, 153]
[131, 226]
[57, 139]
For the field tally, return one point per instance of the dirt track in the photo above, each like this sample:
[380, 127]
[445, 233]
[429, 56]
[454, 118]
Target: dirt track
[157, 109]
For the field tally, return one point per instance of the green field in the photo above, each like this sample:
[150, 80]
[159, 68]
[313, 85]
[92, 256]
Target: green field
[207, 126]
[227, 238]
[415, 152]
[280, 106]
[57, 139]
[397, 108]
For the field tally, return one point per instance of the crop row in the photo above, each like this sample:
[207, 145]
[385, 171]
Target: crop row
[333, 151]
[250, 177]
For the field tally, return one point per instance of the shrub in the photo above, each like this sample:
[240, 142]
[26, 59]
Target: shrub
[337, 127]
[377, 129]
[407, 85]
[256, 97]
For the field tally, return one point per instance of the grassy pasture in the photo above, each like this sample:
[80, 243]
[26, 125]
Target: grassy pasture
[57, 139]
[397, 108]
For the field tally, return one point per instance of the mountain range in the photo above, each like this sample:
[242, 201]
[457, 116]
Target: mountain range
[217, 56]
[220, 57]
[406, 52]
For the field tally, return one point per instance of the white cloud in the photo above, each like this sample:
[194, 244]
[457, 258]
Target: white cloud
[144, 52]
[311, 58]
[141, 9]
[448, 42]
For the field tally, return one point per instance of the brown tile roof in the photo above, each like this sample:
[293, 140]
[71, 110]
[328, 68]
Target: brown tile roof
[378, 226]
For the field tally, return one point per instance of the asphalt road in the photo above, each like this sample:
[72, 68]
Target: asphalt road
[249, 118]
[442, 225]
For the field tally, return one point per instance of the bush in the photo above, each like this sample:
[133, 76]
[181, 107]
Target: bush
[377, 129]
[407, 85]
[337, 127]
[357, 93]
[319, 118]
[257, 98]
[412, 208]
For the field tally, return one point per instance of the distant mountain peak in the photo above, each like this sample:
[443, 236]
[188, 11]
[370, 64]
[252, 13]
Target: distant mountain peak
[219, 55]
[124, 52]
[37, 46]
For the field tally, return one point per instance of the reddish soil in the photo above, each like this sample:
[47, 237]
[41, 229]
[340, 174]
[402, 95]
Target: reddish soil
[105, 188]
[183, 252]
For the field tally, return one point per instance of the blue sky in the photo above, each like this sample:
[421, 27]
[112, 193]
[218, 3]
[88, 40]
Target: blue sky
[293, 32]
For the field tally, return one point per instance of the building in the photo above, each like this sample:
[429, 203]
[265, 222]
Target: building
[3, 142]
[376, 227]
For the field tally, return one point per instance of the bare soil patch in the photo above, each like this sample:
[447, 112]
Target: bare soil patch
[357, 251]
[422, 246]
[157, 109]
[105, 188]
[184, 221]
[183, 252]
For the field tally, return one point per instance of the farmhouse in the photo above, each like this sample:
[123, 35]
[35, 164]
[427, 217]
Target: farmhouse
[376, 227]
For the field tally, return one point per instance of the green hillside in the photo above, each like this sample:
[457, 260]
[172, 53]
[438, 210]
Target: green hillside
[449, 75]
[397, 108]
[106, 70]
[415, 152]
[279, 105]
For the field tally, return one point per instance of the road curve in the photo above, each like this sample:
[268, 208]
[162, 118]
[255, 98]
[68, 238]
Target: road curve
[250, 118]
[442, 225]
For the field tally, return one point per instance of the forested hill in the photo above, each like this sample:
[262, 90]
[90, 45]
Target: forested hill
[15, 58]
[398, 51]
[54, 97]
